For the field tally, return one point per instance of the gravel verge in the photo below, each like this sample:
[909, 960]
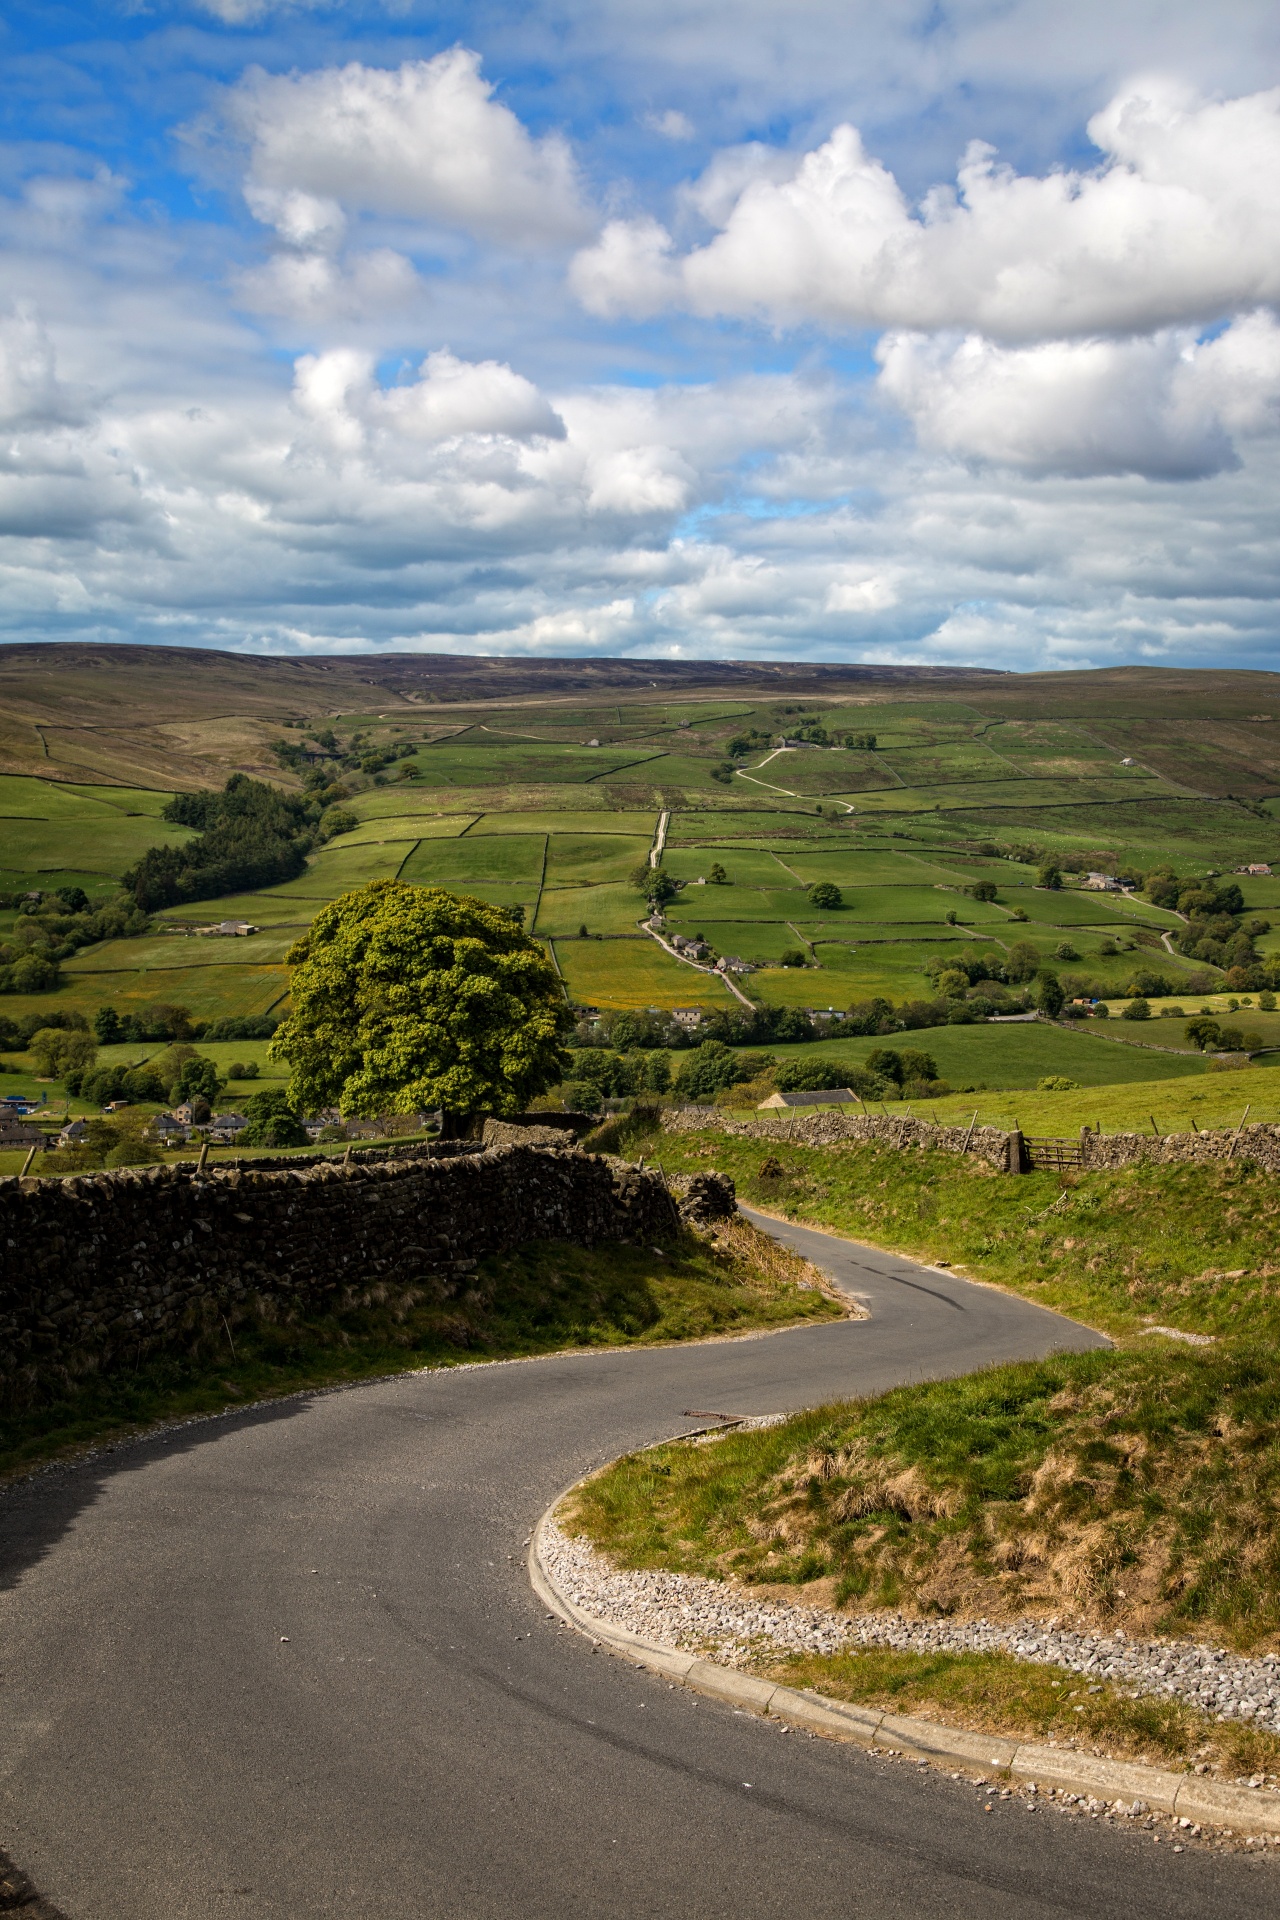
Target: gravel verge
[724, 1623]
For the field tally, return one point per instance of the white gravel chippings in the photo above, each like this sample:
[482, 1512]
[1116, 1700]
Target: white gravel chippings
[724, 1623]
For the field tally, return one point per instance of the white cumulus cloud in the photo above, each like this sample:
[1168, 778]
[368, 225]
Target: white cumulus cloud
[1179, 224]
[1164, 407]
[424, 141]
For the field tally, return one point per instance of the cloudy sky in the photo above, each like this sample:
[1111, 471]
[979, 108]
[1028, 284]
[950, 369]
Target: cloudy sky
[888, 330]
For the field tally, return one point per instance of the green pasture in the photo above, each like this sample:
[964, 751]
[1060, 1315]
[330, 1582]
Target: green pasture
[1076, 907]
[1147, 829]
[1177, 1104]
[1262, 892]
[824, 771]
[960, 760]
[100, 887]
[263, 909]
[1017, 1055]
[22, 796]
[745, 866]
[575, 858]
[437, 813]
[166, 952]
[602, 909]
[505, 859]
[405, 826]
[756, 940]
[99, 842]
[705, 905]
[881, 868]
[926, 905]
[1012, 793]
[539, 763]
[618, 822]
[634, 973]
[210, 992]
[337, 869]
[695, 825]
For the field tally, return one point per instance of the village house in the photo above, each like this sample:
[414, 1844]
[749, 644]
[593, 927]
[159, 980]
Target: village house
[688, 1017]
[1102, 883]
[15, 1133]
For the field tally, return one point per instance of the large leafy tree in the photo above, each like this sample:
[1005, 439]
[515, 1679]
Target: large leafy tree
[412, 997]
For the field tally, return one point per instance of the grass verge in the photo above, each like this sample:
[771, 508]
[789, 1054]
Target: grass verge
[996, 1693]
[1137, 1489]
[1192, 1247]
[1103, 1489]
[546, 1297]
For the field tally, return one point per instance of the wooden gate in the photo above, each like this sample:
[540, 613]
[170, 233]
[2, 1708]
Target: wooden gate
[1050, 1155]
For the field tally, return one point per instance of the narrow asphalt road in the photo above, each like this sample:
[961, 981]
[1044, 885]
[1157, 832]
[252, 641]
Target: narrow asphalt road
[288, 1663]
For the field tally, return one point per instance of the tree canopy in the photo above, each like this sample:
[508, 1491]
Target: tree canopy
[250, 835]
[409, 998]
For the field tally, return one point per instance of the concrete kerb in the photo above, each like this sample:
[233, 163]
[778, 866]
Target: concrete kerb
[1241, 1810]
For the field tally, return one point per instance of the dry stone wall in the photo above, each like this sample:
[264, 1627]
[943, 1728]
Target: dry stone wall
[1008, 1151]
[838, 1129]
[102, 1269]
[1260, 1144]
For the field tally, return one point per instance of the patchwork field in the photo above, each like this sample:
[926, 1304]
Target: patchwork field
[549, 801]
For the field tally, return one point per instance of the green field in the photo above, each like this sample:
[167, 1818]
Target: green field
[980, 782]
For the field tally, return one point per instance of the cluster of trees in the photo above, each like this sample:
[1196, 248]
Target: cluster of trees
[887, 1073]
[1210, 1036]
[807, 727]
[1218, 932]
[250, 835]
[177, 1075]
[955, 973]
[51, 927]
[754, 740]
[16, 1034]
[714, 1069]
[355, 755]
[596, 1073]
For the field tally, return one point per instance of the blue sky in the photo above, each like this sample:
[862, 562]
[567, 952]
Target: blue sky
[863, 331]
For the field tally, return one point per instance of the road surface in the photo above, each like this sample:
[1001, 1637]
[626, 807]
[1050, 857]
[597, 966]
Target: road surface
[287, 1663]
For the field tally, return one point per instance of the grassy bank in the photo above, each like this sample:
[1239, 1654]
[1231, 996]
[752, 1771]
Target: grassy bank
[546, 1297]
[1192, 1247]
[1137, 1488]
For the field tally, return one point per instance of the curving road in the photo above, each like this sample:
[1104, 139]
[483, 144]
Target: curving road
[287, 1663]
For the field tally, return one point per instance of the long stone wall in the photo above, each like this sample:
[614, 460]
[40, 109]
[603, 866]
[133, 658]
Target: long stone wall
[1259, 1144]
[102, 1269]
[1008, 1151]
[839, 1129]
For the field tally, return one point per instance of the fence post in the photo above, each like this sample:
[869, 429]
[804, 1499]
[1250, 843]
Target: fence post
[1018, 1159]
[1086, 1145]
